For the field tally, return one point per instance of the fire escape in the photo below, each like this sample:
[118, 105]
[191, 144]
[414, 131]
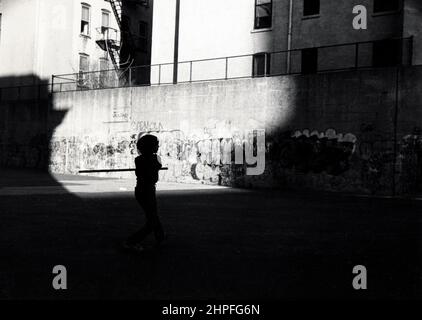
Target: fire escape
[109, 41]
[113, 42]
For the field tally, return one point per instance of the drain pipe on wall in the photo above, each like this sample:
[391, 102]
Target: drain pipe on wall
[289, 36]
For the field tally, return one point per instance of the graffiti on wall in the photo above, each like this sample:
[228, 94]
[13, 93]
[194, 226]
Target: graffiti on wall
[120, 114]
[146, 126]
[331, 160]
[365, 160]
[376, 158]
[410, 161]
[31, 152]
[308, 151]
[70, 154]
[207, 154]
[207, 157]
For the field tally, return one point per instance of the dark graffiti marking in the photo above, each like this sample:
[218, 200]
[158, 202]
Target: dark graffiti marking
[315, 152]
[31, 154]
[410, 161]
[146, 126]
[376, 158]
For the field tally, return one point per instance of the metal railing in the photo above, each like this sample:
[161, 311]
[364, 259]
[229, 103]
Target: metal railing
[108, 34]
[339, 57]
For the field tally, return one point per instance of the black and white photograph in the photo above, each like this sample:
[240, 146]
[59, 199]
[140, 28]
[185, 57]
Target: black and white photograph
[204, 157]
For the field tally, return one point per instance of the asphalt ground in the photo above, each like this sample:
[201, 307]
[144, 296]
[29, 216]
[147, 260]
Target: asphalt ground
[223, 243]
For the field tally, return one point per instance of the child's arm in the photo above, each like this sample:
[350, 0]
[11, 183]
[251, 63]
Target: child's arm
[138, 168]
[159, 165]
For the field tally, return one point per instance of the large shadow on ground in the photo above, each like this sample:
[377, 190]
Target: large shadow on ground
[31, 228]
[223, 244]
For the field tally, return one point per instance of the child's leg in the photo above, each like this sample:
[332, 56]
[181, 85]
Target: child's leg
[152, 224]
[158, 228]
[150, 208]
[142, 233]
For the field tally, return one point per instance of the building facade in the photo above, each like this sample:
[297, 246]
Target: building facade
[259, 37]
[44, 37]
[136, 31]
[266, 29]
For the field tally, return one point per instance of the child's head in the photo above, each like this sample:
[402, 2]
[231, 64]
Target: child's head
[147, 144]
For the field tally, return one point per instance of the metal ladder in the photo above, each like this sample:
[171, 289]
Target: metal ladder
[116, 6]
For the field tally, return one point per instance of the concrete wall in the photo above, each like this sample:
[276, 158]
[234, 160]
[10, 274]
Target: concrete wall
[329, 131]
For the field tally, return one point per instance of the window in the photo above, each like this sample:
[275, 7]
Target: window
[83, 67]
[385, 5]
[103, 64]
[105, 22]
[83, 62]
[263, 13]
[143, 36]
[261, 64]
[85, 20]
[311, 7]
[309, 60]
[104, 72]
[386, 53]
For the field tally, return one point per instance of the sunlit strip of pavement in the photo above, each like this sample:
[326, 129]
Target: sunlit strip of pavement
[98, 186]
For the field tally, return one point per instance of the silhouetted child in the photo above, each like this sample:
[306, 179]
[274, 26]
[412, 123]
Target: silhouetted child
[147, 167]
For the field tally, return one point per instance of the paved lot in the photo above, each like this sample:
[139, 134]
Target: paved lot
[223, 243]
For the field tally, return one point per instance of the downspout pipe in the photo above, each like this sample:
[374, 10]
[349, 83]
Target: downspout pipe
[289, 36]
